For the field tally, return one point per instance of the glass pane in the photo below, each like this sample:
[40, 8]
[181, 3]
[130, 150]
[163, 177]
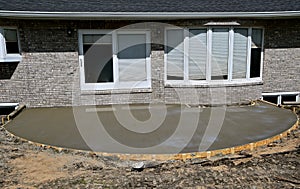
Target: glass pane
[11, 38]
[197, 54]
[175, 54]
[98, 63]
[255, 62]
[96, 38]
[132, 54]
[10, 35]
[240, 53]
[256, 49]
[272, 99]
[92, 39]
[256, 37]
[219, 61]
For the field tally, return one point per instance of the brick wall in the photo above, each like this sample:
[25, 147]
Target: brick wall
[41, 79]
[282, 70]
[48, 74]
[282, 56]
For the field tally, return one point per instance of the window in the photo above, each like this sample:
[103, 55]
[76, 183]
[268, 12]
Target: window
[197, 54]
[9, 45]
[281, 97]
[219, 53]
[131, 56]
[256, 49]
[175, 54]
[207, 55]
[98, 64]
[114, 59]
[240, 46]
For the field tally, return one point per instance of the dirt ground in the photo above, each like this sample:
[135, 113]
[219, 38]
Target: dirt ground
[25, 165]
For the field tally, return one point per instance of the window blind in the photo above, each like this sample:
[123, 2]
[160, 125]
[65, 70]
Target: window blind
[175, 54]
[132, 57]
[240, 53]
[197, 54]
[220, 49]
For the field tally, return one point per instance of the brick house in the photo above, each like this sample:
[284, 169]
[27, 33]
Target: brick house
[132, 51]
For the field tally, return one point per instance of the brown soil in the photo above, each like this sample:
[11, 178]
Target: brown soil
[25, 165]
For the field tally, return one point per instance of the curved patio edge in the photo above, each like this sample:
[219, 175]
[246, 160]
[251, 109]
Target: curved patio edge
[165, 157]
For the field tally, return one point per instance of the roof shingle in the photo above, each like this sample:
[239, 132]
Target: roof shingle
[150, 5]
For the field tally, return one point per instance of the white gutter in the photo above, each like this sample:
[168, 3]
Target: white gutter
[144, 15]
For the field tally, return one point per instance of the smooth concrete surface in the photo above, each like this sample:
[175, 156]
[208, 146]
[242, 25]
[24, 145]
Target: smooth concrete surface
[151, 129]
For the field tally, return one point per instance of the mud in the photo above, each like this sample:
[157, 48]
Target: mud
[156, 129]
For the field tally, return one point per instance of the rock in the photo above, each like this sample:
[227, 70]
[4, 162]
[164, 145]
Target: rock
[246, 154]
[15, 156]
[14, 149]
[138, 166]
[94, 167]
[78, 165]
[199, 161]
[152, 164]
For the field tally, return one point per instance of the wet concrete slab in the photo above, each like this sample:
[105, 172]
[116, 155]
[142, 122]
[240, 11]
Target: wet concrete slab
[151, 129]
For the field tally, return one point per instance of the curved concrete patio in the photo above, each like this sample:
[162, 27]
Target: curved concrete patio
[130, 129]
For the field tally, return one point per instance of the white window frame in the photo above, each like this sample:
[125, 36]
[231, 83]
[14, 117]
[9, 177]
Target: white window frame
[116, 84]
[9, 57]
[279, 95]
[208, 80]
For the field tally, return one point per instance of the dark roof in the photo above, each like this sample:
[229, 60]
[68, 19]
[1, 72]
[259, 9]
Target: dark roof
[150, 5]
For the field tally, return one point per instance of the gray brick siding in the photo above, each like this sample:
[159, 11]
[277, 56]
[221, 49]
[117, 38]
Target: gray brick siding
[282, 70]
[41, 79]
[48, 74]
[282, 56]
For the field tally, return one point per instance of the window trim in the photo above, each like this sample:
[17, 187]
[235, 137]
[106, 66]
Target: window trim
[229, 59]
[11, 57]
[208, 80]
[280, 94]
[116, 84]
[262, 51]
